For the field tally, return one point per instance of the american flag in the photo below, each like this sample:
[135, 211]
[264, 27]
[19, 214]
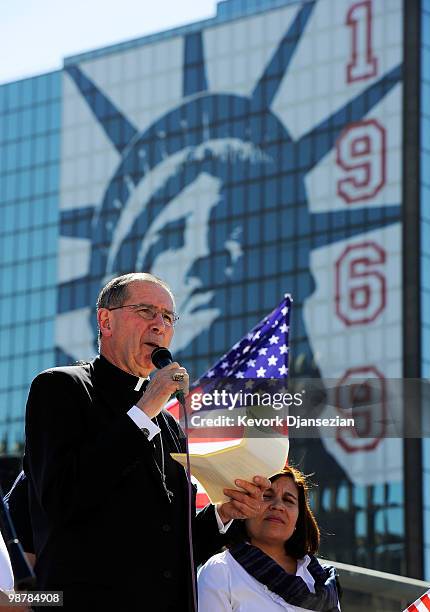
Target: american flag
[420, 605]
[262, 353]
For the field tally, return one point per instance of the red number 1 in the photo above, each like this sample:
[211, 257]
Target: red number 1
[363, 64]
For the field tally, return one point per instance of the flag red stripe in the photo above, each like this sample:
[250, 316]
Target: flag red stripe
[202, 500]
[424, 599]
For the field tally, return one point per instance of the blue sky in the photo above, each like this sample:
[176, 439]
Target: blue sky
[36, 35]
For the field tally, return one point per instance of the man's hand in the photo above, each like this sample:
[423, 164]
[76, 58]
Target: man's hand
[244, 505]
[161, 387]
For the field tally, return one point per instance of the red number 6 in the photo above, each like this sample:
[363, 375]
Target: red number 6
[360, 283]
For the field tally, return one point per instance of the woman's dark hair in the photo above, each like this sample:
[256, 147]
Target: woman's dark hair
[306, 537]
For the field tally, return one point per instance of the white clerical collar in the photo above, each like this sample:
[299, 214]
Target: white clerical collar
[140, 382]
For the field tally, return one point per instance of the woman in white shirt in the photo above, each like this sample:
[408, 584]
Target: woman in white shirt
[271, 566]
[6, 574]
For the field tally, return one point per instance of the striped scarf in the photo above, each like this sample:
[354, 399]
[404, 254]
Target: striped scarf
[290, 587]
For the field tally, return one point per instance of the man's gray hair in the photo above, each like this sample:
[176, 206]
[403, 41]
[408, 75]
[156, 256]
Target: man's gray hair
[115, 292]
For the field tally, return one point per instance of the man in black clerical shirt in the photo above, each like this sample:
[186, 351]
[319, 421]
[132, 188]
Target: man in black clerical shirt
[108, 505]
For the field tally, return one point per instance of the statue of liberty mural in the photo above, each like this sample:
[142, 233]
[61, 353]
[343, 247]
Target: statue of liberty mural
[211, 197]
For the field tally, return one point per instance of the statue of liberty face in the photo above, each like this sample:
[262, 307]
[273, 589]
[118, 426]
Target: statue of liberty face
[195, 211]
[193, 233]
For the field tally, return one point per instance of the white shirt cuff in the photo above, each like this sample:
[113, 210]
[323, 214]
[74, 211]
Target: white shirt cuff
[144, 423]
[222, 528]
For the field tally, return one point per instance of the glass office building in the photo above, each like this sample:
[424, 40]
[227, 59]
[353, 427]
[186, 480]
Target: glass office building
[252, 154]
[30, 168]
[424, 224]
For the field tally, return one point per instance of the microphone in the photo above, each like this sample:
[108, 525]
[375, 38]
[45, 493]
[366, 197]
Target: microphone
[162, 357]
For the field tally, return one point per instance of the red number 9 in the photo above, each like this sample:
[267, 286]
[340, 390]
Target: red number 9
[364, 390]
[360, 151]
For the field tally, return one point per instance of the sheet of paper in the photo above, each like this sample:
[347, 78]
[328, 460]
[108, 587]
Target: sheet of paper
[219, 469]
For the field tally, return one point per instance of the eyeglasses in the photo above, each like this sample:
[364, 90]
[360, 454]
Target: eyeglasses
[148, 312]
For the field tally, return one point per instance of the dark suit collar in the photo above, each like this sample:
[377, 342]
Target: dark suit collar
[116, 385]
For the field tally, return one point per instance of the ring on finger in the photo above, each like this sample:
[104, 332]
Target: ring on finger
[178, 377]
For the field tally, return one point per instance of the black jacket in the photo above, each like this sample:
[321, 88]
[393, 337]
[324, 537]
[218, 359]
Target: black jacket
[102, 523]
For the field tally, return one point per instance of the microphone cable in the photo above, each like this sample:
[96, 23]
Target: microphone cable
[181, 400]
[24, 576]
[161, 357]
